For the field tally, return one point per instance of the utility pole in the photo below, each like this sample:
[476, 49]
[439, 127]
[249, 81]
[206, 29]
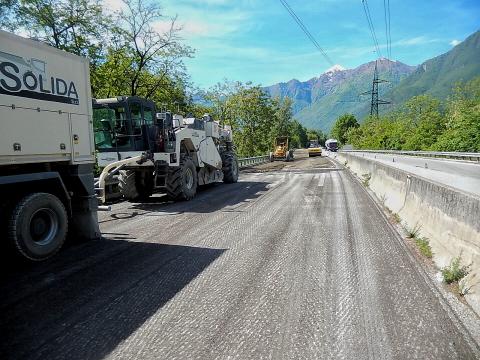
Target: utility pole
[375, 100]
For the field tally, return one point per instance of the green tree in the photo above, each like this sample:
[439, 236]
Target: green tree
[299, 134]
[341, 127]
[423, 121]
[282, 120]
[141, 60]
[462, 119]
[75, 26]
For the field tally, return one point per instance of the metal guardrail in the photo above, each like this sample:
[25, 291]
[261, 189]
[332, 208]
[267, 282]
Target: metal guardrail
[244, 162]
[433, 154]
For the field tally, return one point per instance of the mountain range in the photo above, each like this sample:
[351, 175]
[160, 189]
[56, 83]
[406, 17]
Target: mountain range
[318, 102]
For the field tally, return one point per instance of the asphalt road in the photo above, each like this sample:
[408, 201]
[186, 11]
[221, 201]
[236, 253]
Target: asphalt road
[462, 175]
[296, 263]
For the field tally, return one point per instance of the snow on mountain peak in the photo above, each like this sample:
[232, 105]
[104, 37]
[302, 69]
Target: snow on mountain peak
[335, 68]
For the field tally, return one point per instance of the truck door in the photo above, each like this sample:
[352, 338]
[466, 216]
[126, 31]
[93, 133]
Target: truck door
[135, 108]
[149, 129]
[82, 138]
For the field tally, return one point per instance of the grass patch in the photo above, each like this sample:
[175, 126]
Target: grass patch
[463, 288]
[396, 218]
[412, 233]
[383, 199]
[455, 271]
[424, 246]
[366, 179]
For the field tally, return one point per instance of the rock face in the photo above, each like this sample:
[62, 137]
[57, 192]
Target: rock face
[320, 100]
[437, 76]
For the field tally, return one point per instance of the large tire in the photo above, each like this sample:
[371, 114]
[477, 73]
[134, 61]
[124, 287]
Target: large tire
[182, 181]
[38, 226]
[229, 167]
[133, 187]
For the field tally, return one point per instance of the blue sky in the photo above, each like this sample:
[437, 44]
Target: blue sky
[258, 41]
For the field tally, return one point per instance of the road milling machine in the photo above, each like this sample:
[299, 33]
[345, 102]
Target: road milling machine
[159, 152]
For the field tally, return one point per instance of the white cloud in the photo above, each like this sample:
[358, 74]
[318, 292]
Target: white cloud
[113, 5]
[454, 42]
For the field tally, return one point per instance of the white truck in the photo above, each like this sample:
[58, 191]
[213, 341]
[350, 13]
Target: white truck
[47, 150]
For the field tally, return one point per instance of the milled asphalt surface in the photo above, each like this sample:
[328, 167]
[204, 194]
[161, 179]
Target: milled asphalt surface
[462, 175]
[296, 263]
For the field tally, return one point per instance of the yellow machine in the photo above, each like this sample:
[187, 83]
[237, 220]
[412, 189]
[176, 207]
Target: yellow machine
[281, 150]
[314, 148]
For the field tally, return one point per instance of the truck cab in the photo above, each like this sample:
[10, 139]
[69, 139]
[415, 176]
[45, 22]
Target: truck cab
[125, 124]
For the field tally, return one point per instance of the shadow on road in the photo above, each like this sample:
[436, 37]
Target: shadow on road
[209, 199]
[82, 304]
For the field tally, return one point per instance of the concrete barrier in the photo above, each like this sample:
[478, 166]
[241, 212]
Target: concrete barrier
[448, 217]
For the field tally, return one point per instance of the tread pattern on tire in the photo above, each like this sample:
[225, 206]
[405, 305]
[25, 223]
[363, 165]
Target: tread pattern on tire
[126, 184]
[13, 221]
[229, 175]
[174, 185]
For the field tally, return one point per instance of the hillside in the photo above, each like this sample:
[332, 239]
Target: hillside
[320, 100]
[437, 76]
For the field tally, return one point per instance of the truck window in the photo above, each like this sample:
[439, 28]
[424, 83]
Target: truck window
[110, 127]
[148, 115]
[136, 113]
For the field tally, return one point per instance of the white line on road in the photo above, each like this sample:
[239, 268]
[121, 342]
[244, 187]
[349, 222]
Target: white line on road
[321, 181]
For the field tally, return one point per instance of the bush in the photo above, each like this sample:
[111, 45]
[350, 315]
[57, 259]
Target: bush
[424, 246]
[455, 272]
[412, 233]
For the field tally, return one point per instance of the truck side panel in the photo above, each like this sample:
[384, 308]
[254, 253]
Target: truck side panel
[27, 133]
[42, 91]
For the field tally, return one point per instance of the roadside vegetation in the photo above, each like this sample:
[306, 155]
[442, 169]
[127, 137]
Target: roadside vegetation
[366, 179]
[455, 271]
[421, 123]
[424, 246]
[413, 232]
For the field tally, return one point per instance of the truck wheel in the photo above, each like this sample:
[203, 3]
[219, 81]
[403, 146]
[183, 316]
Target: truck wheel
[229, 167]
[38, 226]
[182, 181]
[144, 184]
[133, 186]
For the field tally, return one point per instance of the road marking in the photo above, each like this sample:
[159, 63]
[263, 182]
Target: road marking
[321, 181]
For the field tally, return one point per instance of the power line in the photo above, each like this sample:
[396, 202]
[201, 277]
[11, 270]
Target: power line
[305, 30]
[388, 35]
[371, 27]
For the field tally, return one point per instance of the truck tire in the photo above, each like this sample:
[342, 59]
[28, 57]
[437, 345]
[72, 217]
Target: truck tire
[229, 167]
[132, 187]
[38, 226]
[182, 181]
